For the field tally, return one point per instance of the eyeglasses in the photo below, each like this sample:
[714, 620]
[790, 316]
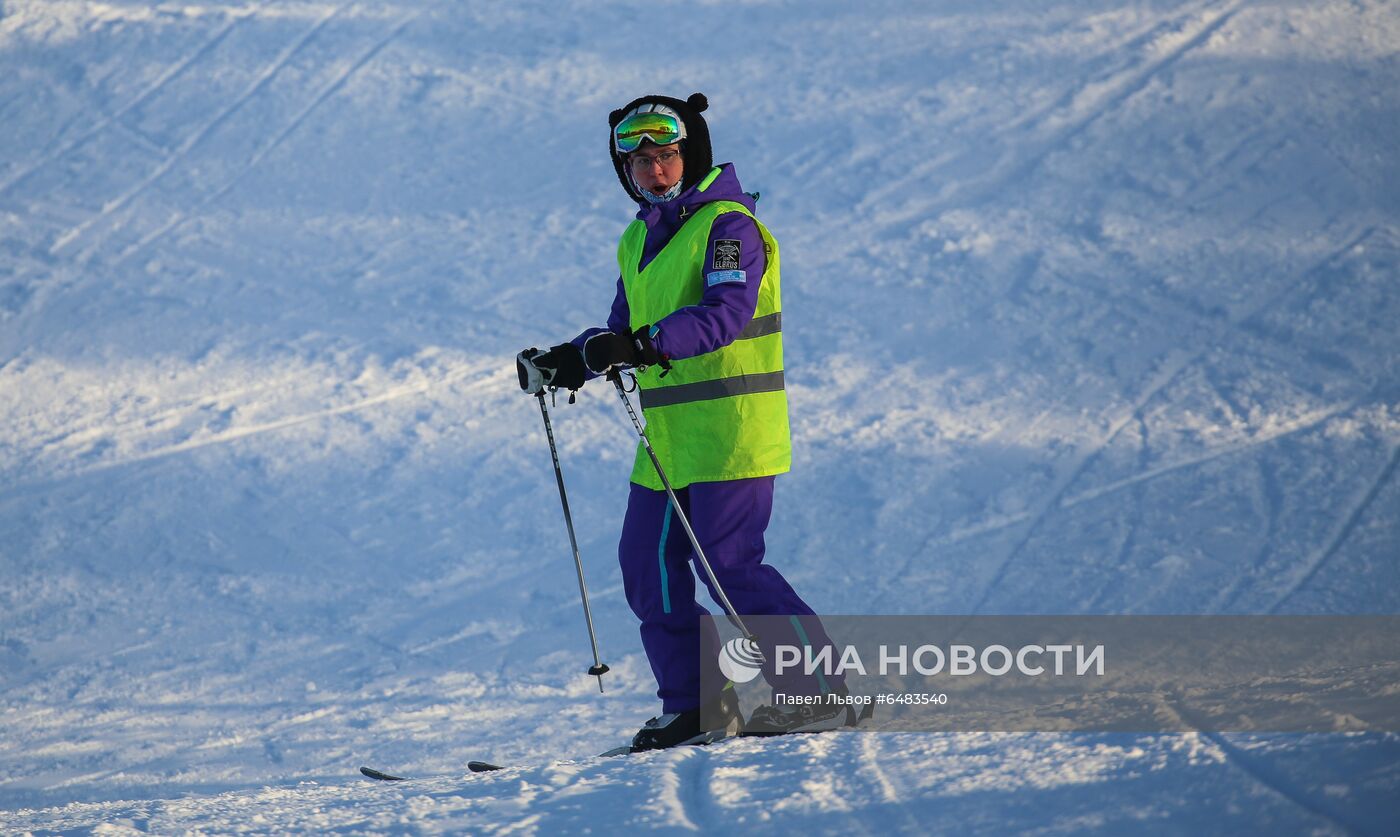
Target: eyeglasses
[660, 128]
[641, 163]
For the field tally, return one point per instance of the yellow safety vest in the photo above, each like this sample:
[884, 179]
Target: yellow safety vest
[721, 415]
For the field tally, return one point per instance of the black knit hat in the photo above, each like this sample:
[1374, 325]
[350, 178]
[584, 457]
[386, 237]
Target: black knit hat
[695, 148]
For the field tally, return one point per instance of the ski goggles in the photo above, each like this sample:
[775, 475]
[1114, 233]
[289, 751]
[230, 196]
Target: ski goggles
[660, 128]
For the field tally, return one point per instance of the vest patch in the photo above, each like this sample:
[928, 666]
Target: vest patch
[727, 252]
[720, 277]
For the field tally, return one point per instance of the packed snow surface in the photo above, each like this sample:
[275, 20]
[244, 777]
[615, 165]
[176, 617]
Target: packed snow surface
[1089, 307]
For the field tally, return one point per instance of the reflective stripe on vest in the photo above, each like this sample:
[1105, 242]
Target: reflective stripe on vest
[762, 326]
[721, 415]
[707, 390]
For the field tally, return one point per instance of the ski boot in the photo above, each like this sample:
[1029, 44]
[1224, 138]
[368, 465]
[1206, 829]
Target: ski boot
[679, 728]
[770, 719]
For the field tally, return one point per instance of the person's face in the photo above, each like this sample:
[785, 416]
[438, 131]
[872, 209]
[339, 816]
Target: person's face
[656, 168]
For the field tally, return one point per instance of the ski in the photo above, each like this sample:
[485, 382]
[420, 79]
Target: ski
[624, 750]
[478, 766]
[473, 766]
[486, 766]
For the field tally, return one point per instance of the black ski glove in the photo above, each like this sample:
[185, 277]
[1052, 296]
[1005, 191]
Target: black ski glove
[603, 351]
[561, 367]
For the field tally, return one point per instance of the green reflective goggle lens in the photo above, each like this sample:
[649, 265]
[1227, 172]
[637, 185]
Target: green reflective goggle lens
[657, 127]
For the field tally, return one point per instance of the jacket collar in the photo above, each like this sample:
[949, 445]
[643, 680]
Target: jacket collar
[723, 187]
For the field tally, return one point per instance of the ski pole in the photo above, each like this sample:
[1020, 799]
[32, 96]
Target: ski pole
[616, 378]
[597, 669]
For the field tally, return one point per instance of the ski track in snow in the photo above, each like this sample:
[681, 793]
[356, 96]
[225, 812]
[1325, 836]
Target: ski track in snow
[681, 790]
[1149, 473]
[1091, 310]
[1352, 513]
[1261, 773]
[497, 380]
[1274, 782]
[1023, 160]
[111, 207]
[337, 82]
[1171, 368]
[113, 120]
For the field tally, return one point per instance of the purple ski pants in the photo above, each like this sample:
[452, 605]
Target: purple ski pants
[659, 568]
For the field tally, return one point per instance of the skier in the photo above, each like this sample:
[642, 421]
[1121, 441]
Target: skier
[697, 315]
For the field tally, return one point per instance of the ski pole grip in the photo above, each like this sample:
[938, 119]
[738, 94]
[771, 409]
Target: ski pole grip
[530, 378]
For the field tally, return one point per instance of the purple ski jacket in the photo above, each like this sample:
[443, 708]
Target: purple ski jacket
[725, 308]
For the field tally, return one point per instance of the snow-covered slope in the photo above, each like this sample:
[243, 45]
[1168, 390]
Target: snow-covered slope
[1090, 308]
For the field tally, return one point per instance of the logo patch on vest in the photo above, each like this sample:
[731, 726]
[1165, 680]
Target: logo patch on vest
[719, 277]
[727, 251]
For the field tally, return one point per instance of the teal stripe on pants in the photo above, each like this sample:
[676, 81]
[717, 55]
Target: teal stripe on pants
[661, 560]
